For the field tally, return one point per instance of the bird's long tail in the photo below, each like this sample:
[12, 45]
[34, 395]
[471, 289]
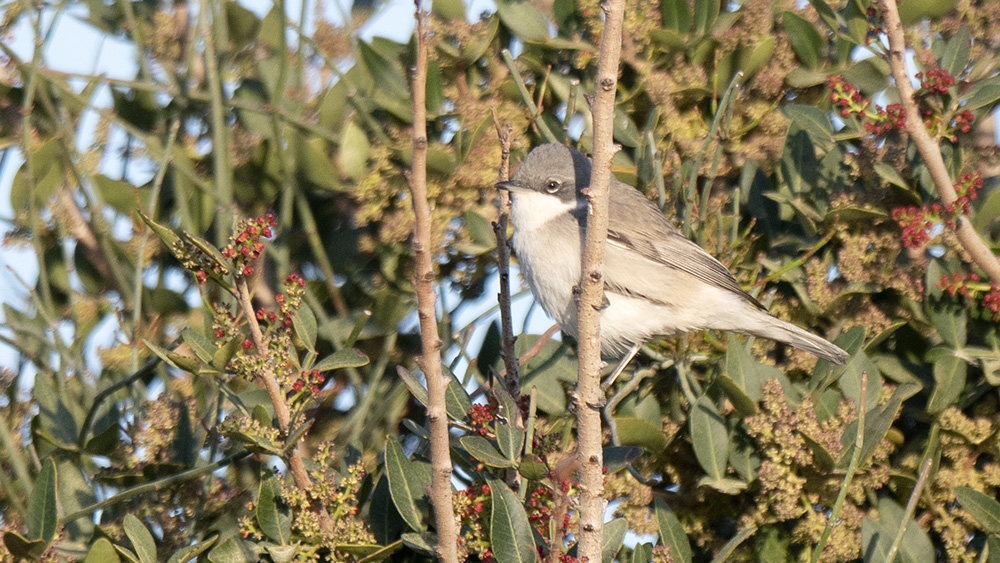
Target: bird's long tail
[777, 329]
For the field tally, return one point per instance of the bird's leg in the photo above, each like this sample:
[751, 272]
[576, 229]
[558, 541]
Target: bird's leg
[620, 368]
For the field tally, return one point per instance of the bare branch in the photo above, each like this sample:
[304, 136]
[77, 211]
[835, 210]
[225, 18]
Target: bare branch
[588, 387]
[511, 375]
[929, 150]
[423, 283]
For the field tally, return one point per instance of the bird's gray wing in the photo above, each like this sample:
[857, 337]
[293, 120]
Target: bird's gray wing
[637, 230]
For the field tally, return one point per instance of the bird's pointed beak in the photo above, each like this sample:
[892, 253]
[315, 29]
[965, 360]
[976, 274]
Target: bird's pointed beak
[509, 186]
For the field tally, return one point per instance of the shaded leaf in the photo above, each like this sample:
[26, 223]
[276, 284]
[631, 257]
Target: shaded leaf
[142, 540]
[671, 531]
[614, 535]
[984, 508]
[408, 485]
[510, 532]
[273, 518]
[709, 437]
[484, 451]
[805, 40]
[949, 381]
[42, 517]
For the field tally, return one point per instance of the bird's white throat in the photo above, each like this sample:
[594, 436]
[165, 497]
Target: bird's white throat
[531, 210]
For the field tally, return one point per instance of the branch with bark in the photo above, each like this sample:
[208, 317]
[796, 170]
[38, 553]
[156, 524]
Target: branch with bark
[511, 372]
[928, 148]
[588, 390]
[423, 284]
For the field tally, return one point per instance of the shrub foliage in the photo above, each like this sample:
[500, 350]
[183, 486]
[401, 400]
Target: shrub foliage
[262, 156]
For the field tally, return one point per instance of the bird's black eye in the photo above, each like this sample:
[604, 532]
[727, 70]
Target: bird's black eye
[552, 186]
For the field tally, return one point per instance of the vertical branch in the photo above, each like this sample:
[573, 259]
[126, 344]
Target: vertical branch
[511, 375]
[423, 283]
[929, 150]
[588, 387]
[295, 460]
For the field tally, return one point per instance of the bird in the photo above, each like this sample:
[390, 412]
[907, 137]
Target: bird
[657, 282]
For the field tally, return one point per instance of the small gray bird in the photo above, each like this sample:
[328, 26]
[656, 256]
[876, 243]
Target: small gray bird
[657, 282]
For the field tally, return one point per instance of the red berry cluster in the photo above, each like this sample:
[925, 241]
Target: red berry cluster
[885, 120]
[935, 81]
[469, 505]
[879, 121]
[915, 224]
[245, 245]
[291, 299]
[541, 506]
[967, 189]
[309, 379]
[481, 416]
[962, 121]
[970, 286]
[847, 97]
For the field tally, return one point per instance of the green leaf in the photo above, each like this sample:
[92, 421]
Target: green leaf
[889, 174]
[21, 547]
[510, 533]
[480, 231]
[42, 517]
[189, 552]
[412, 384]
[814, 121]
[949, 381]
[383, 517]
[742, 371]
[352, 157]
[273, 518]
[523, 20]
[709, 438]
[484, 451]
[806, 41]
[345, 358]
[120, 195]
[877, 536]
[951, 324]
[532, 467]
[408, 484]
[614, 535]
[304, 323]
[235, 550]
[983, 508]
[850, 380]
[671, 532]
[388, 78]
[142, 540]
[676, 15]
[634, 431]
[102, 552]
[457, 401]
[983, 93]
[510, 439]
[448, 9]
[705, 14]
[956, 54]
[202, 346]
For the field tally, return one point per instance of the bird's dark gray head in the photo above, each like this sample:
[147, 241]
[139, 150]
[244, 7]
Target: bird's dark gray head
[551, 169]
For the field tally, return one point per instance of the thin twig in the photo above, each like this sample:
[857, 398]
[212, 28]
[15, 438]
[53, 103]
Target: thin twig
[511, 375]
[423, 283]
[852, 468]
[929, 150]
[911, 508]
[295, 460]
[588, 386]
